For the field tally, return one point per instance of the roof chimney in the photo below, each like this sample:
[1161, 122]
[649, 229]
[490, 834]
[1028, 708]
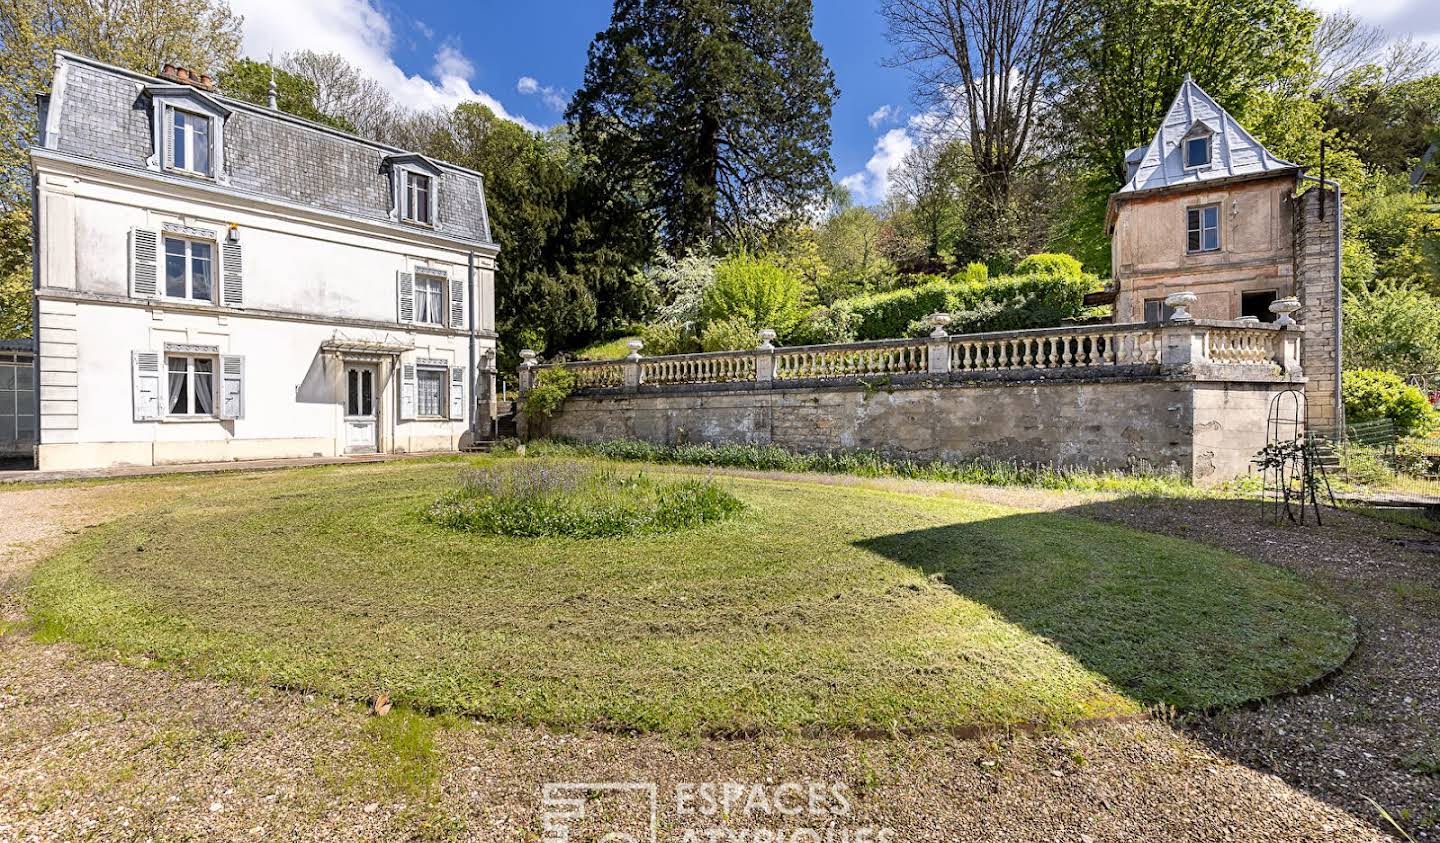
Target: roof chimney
[183, 76]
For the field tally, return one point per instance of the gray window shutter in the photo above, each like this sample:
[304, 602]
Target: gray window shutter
[407, 392]
[145, 370]
[144, 263]
[457, 393]
[406, 296]
[233, 285]
[232, 386]
[167, 135]
[457, 303]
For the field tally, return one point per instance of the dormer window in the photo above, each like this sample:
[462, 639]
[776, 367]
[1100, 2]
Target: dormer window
[189, 132]
[189, 142]
[414, 188]
[1196, 146]
[1197, 151]
[417, 198]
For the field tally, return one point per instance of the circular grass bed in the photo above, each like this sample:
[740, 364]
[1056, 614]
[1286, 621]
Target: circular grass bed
[820, 608]
[569, 499]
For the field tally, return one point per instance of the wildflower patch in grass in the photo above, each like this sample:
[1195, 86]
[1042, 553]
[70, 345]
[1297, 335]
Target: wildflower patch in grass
[536, 499]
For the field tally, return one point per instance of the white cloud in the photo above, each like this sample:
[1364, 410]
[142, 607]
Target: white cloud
[1398, 18]
[872, 184]
[883, 114]
[359, 31]
[554, 98]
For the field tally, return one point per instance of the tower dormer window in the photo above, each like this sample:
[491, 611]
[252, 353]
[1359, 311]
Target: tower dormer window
[1196, 147]
[189, 132]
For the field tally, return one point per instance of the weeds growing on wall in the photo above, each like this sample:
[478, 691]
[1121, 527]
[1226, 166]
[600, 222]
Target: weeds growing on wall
[552, 498]
[1136, 480]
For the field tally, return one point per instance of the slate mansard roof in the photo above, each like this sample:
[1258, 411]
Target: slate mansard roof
[103, 114]
[1234, 152]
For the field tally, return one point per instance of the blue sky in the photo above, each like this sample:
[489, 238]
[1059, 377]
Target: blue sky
[524, 58]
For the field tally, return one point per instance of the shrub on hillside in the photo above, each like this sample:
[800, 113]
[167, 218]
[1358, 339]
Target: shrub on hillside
[732, 334]
[753, 290]
[1004, 304]
[1371, 395]
[1050, 263]
[668, 338]
[823, 325]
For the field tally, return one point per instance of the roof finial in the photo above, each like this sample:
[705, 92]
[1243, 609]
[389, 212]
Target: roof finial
[274, 104]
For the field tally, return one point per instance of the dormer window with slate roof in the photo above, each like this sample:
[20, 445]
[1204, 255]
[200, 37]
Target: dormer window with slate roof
[189, 130]
[414, 189]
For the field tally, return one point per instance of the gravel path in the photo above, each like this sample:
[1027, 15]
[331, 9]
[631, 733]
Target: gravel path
[96, 749]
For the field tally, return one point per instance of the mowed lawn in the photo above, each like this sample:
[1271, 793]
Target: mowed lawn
[818, 608]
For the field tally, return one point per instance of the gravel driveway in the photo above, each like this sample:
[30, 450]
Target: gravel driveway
[100, 749]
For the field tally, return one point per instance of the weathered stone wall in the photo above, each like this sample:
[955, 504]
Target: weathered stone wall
[1204, 430]
[1317, 283]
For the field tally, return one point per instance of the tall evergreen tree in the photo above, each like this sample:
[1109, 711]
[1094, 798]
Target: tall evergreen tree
[719, 110]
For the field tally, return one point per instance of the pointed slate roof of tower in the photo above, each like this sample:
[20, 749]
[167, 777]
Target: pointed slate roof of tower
[1234, 152]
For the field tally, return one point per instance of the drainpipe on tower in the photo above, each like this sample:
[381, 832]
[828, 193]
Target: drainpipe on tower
[474, 352]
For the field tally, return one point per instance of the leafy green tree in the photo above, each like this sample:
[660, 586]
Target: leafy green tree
[570, 248]
[1387, 124]
[1392, 327]
[249, 80]
[754, 291]
[719, 110]
[849, 241]
[1398, 227]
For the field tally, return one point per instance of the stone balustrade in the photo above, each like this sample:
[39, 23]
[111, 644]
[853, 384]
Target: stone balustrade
[1195, 349]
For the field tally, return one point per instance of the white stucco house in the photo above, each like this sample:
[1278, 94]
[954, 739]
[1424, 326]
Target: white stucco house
[217, 280]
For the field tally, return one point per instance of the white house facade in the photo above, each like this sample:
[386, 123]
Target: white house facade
[217, 280]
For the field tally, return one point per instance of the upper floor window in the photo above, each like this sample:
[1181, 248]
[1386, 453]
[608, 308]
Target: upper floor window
[417, 197]
[1202, 229]
[190, 143]
[430, 300]
[189, 269]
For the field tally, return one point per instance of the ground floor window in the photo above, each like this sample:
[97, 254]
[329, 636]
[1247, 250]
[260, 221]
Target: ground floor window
[1258, 305]
[1156, 310]
[430, 391]
[192, 385]
[17, 399]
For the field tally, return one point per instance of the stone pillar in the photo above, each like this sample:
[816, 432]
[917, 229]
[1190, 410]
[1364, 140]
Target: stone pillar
[1287, 351]
[1182, 344]
[527, 371]
[632, 366]
[765, 360]
[938, 347]
[1317, 284]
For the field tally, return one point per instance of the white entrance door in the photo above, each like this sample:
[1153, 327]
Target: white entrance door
[361, 430]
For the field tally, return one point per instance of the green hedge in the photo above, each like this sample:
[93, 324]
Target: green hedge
[1371, 395]
[1004, 304]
